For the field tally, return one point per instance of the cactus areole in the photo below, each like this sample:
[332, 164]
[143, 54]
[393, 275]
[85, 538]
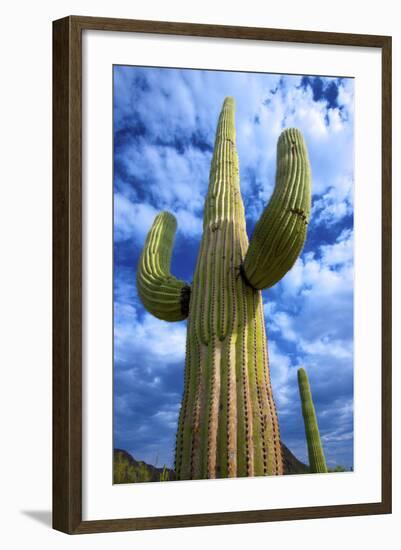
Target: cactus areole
[228, 423]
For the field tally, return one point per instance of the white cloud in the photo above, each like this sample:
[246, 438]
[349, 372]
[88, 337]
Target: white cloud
[151, 338]
[319, 324]
[283, 323]
[336, 203]
[280, 371]
[189, 224]
[327, 143]
[326, 347]
[168, 417]
[132, 220]
[168, 176]
[154, 342]
[177, 109]
[346, 94]
[339, 253]
[313, 274]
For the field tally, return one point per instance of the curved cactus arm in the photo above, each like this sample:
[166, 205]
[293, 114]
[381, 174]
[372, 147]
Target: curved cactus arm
[280, 233]
[163, 295]
[317, 461]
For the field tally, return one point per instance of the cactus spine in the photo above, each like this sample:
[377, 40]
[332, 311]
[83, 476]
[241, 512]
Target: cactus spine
[317, 461]
[228, 423]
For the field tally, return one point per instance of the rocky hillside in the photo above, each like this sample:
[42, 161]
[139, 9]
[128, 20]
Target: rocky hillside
[291, 464]
[129, 470]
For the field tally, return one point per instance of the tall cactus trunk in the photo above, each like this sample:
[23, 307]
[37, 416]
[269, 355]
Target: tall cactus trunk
[228, 423]
[317, 461]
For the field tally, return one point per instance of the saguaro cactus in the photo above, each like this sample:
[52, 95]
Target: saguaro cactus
[317, 461]
[228, 422]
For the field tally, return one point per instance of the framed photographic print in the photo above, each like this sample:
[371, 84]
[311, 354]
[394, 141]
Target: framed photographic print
[221, 274]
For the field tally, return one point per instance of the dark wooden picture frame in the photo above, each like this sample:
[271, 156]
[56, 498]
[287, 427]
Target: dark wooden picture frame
[67, 274]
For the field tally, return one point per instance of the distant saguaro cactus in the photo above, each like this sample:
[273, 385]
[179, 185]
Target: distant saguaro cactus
[228, 423]
[317, 461]
[164, 475]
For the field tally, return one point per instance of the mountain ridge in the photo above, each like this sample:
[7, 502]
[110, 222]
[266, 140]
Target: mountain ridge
[126, 469]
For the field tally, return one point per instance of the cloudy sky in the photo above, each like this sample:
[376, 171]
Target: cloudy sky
[164, 126]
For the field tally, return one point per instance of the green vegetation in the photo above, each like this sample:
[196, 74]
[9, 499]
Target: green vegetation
[165, 476]
[317, 460]
[128, 470]
[228, 423]
[337, 468]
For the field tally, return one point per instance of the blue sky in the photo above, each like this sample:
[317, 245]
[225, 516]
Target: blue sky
[164, 126]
